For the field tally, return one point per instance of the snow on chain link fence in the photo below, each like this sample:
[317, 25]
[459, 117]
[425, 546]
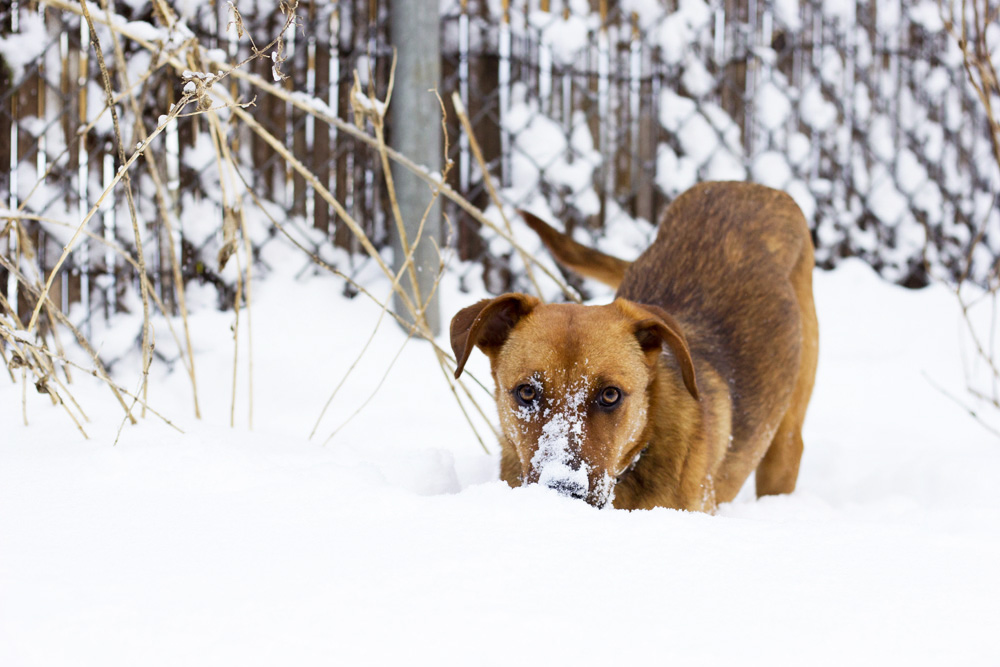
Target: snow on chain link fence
[594, 113]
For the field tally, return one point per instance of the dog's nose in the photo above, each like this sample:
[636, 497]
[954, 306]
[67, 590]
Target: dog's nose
[567, 488]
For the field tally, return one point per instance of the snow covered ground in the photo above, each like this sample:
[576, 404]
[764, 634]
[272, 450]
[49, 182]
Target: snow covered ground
[395, 543]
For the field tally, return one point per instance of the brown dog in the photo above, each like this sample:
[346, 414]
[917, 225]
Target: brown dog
[696, 375]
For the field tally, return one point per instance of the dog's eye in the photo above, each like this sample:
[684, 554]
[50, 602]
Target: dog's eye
[526, 394]
[610, 397]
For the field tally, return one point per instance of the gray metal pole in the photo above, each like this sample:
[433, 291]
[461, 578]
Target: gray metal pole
[414, 120]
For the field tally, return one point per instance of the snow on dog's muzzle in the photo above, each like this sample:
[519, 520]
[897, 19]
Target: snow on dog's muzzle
[565, 474]
[556, 463]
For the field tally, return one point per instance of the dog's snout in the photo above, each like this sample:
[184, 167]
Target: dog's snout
[570, 489]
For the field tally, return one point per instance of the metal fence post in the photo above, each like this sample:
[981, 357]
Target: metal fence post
[415, 131]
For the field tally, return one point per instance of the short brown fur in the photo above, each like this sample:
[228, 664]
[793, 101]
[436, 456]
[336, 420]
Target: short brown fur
[712, 341]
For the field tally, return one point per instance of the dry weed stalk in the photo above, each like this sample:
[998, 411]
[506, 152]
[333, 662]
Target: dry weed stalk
[374, 110]
[64, 361]
[233, 221]
[206, 98]
[153, 170]
[968, 24]
[405, 324]
[26, 356]
[147, 342]
[99, 370]
[44, 368]
[119, 252]
[199, 94]
[202, 91]
[43, 295]
[317, 109]
[463, 118]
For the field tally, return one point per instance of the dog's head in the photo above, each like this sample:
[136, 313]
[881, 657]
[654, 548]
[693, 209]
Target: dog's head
[572, 383]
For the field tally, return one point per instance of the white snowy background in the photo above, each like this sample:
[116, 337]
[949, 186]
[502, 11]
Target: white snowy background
[395, 543]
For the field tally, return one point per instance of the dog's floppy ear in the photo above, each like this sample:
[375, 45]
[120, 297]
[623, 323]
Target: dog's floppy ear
[654, 328]
[487, 324]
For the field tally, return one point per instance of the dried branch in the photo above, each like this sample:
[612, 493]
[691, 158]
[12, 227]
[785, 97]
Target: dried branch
[315, 108]
[201, 96]
[125, 255]
[97, 205]
[80, 338]
[371, 395]
[42, 368]
[968, 25]
[463, 117]
[147, 344]
[98, 373]
[165, 211]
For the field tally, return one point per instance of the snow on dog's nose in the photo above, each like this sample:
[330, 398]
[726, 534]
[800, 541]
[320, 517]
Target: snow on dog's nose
[557, 463]
[569, 489]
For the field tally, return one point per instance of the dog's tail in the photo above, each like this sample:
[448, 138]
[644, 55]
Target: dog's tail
[577, 257]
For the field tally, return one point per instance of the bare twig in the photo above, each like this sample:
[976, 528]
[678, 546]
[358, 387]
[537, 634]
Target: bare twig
[147, 344]
[97, 205]
[41, 369]
[237, 298]
[357, 359]
[968, 25]
[165, 210]
[463, 117]
[249, 301]
[191, 56]
[100, 374]
[376, 112]
[372, 395]
[80, 338]
[316, 108]
[972, 413]
[124, 254]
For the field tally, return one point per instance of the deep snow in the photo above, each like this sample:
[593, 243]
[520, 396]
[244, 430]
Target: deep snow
[396, 544]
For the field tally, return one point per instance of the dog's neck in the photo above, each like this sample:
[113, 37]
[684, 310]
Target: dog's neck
[675, 430]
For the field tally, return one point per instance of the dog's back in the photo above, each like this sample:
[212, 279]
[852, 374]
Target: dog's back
[723, 262]
[733, 262]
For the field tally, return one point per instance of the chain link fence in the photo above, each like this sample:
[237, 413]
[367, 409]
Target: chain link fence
[593, 113]
[58, 155]
[861, 111]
